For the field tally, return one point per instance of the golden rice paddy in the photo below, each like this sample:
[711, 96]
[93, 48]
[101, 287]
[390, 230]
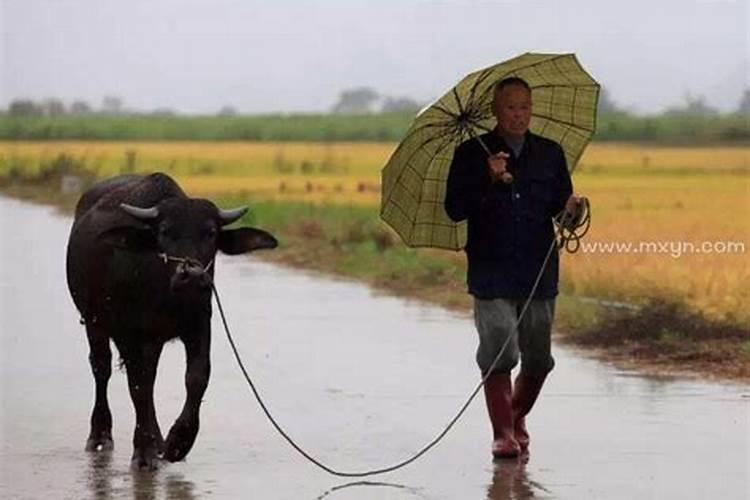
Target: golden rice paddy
[665, 201]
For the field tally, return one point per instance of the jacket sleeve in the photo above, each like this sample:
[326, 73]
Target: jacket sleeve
[564, 183]
[466, 187]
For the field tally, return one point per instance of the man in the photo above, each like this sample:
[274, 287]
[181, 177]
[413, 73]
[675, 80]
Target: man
[510, 232]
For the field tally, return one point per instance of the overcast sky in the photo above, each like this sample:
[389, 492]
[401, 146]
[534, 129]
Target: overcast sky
[297, 55]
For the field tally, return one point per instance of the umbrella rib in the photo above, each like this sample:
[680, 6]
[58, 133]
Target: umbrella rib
[413, 131]
[427, 126]
[475, 122]
[420, 128]
[440, 108]
[482, 77]
[458, 101]
[431, 125]
[468, 119]
[410, 134]
[486, 129]
[562, 122]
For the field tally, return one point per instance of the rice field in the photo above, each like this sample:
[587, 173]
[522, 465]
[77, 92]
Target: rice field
[660, 200]
[681, 231]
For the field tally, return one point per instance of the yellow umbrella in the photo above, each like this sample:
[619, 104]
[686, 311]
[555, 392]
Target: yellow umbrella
[413, 181]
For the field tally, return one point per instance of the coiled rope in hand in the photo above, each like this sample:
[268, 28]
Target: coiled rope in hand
[573, 227]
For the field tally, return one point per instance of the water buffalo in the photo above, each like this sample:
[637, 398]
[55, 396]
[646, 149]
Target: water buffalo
[139, 264]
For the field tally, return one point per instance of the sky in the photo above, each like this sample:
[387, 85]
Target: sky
[262, 56]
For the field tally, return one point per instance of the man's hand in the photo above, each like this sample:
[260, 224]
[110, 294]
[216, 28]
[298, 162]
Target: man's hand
[574, 208]
[498, 164]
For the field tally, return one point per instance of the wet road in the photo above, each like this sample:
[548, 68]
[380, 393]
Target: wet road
[360, 380]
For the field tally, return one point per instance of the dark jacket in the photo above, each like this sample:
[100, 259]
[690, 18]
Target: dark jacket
[509, 226]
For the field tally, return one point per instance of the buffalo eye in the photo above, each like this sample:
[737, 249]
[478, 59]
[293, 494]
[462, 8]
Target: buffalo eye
[209, 233]
[166, 232]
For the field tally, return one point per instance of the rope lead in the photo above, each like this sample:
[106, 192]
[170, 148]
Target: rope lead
[567, 228]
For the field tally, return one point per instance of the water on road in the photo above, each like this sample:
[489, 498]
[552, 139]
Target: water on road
[360, 380]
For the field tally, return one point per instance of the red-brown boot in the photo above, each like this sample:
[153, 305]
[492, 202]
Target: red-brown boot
[497, 393]
[525, 393]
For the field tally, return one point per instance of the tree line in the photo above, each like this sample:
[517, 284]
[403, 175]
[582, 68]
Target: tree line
[359, 100]
[359, 115]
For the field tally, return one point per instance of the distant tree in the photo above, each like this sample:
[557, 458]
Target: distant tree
[744, 108]
[53, 107]
[400, 104]
[112, 105]
[24, 107]
[80, 108]
[227, 110]
[163, 112]
[694, 106]
[606, 104]
[358, 100]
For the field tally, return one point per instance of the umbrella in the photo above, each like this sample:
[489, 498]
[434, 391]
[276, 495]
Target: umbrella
[413, 181]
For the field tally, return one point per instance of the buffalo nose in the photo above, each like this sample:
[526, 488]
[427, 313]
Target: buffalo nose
[189, 274]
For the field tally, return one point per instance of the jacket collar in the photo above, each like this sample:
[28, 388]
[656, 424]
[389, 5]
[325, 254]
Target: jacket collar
[496, 142]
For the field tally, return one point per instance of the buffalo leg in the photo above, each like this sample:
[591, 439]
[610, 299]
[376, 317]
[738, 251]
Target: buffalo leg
[147, 440]
[183, 432]
[100, 358]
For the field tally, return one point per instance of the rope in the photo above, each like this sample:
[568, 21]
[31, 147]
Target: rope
[186, 260]
[565, 223]
[571, 228]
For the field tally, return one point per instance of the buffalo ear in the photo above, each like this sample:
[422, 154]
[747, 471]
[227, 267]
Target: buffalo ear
[245, 239]
[130, 238]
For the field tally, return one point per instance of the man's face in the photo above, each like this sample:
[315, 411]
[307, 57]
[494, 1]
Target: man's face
[512, 108]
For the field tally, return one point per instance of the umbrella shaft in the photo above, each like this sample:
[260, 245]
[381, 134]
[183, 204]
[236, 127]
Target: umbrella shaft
[507, 177]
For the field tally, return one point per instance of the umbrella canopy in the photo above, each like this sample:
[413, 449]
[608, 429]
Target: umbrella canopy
[413, 181]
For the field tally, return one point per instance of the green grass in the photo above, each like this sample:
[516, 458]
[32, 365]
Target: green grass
[376, 127]
[675, 129]
[686, 130]
[352, 241]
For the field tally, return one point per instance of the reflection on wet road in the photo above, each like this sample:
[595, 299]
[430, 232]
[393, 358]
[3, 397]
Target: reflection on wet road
[359, 380]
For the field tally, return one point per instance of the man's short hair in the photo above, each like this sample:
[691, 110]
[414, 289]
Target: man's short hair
[511, 80]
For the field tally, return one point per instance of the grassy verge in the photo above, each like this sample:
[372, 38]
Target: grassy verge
[348, 240]
[664, 335]
[676, 129]
[293, 127]
[660, 335]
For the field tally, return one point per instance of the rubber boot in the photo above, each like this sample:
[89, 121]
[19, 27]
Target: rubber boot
[525, 393]
[497, 393]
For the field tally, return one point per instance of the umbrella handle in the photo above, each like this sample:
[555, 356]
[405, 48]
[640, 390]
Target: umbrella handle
[506, 177]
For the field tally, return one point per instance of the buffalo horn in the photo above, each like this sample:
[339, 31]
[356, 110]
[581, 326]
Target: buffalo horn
[149, 213]
[229, 216]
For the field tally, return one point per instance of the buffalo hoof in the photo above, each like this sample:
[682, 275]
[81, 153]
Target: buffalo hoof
[145, 460]
[160, 444]
[100, 443]
[180, 439]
